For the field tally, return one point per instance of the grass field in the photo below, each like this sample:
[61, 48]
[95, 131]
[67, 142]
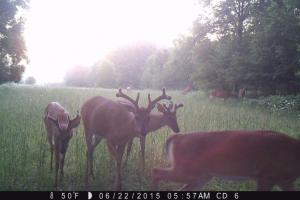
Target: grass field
[25, 155]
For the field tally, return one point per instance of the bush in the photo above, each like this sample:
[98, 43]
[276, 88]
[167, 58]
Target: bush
[289, 103]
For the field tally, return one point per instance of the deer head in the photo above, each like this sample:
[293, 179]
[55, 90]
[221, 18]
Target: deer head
[141, 113]
[169, 113]
[64, 124]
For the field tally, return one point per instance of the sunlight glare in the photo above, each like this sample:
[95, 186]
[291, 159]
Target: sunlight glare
[61, 34]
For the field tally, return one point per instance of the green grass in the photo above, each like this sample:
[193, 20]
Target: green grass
[25, 155]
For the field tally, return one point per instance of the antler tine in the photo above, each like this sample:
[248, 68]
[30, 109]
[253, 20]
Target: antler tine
[149, 99]
[151, 104]
[165, 106]
[137, 98]
[170, 106]
[134, 102]
[178, 106]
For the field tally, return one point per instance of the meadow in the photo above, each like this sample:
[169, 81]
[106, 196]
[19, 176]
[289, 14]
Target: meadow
[25, 155]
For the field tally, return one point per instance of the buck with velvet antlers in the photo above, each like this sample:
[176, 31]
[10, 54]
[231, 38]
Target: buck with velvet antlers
[59, 128]
[118, 123]
[267, 157]
[166, 117]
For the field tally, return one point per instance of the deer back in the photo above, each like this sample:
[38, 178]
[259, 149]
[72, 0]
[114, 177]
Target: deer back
[236, 153]
[107, 118]
[221, 94]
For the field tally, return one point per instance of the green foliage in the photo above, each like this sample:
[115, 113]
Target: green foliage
[129, 62]
[103, 74]
[12, 45]
[25, 153]
[30, 80]
[257, 47]
[253, 44]
[289, 103]
[179, 68]
[152, 76]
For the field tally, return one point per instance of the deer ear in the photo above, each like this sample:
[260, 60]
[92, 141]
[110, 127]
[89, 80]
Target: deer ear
[75, 122]
[160, 108]
[180, 105]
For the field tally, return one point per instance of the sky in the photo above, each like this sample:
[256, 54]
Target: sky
[61, 34]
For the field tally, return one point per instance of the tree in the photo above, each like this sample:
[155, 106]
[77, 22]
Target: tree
[30, 80]
[152, 76]
[257, 46]
[274, 49]
[179, 68]
[12, 45]
[103, 74]
[129, 62]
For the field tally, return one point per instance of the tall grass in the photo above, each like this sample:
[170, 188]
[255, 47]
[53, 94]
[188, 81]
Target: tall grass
[25, 155]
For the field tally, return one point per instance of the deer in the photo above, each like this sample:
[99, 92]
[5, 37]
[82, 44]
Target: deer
[166, 117]
[187, 90]
[223, 94]
[116, 122]
[59, 129]
[242, 93]
[265, 156]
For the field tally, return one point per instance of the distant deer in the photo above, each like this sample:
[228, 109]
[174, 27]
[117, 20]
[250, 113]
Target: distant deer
[267, 157]
[59, 128]
[187, 90]
[223, 94]
[118, 123]
[242, 93]
[167, 117]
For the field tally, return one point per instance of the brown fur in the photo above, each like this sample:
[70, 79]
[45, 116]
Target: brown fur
[267, 157]
[59, 131]
[117, 123]
[223, 94]
[166, 117]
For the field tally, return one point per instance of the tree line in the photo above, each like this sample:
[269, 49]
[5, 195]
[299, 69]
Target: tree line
[251, 44]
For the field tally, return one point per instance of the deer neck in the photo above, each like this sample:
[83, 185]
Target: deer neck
[156, 122]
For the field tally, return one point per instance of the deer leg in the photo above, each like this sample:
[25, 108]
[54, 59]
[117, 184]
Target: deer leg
[159, 174]
[89, 161]
[129, 146]
[143, 143]
[62, 162]
[56, 163]
[89, 144]
[51, 159]
[62, 153]
[50, 140]
[120, 152]
[117, 152]
[95, 142]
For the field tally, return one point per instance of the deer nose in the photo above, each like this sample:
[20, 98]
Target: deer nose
[176, 129]
[63, 127]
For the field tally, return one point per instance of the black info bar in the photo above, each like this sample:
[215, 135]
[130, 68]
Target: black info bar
[152, 195]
